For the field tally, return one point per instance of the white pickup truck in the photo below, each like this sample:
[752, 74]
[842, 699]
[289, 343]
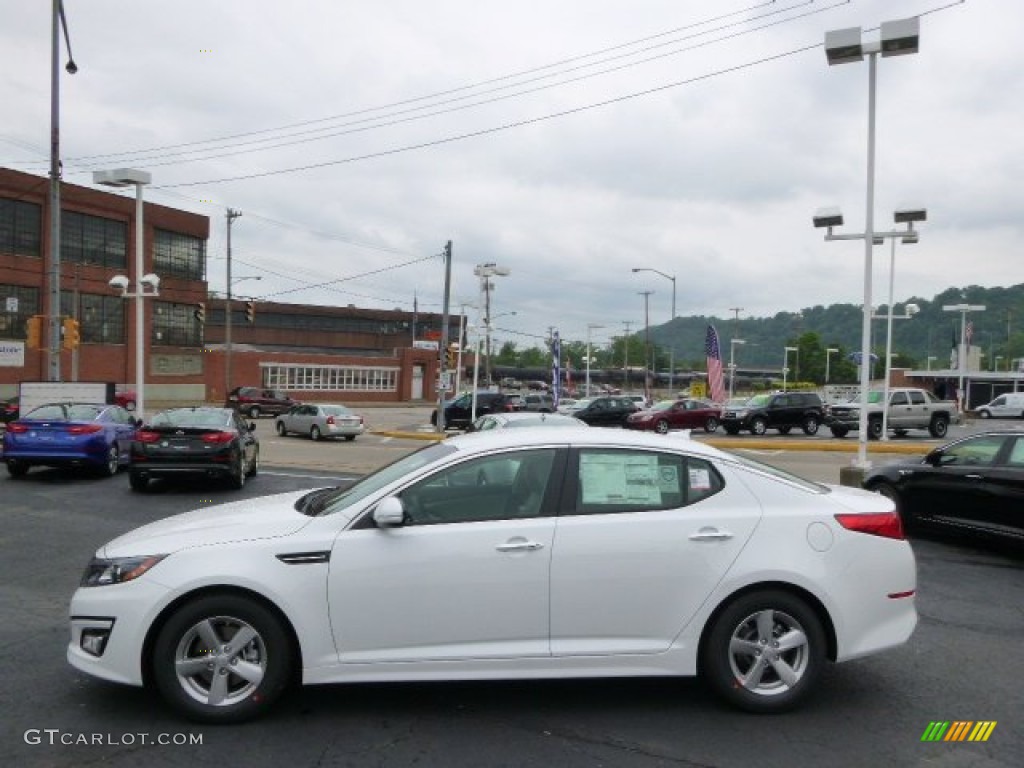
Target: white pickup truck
[909, 408]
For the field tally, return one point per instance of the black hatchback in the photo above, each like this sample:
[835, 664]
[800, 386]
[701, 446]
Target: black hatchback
[212, 442]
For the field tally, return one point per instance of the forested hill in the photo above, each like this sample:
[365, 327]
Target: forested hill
[999, 330]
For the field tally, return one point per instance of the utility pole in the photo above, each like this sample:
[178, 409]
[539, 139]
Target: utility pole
[625, 356]
[231, 216]
[444, 335]
[647, 344]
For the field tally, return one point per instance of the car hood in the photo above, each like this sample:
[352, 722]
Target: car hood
[267, 517]
[859, 500]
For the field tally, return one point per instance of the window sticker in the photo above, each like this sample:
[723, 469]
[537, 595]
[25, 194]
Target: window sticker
[700, 479]
[668, 479]
[619, 478]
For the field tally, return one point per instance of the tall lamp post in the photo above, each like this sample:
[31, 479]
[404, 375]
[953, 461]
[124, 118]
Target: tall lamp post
[54, 315]
[485, 272]
[909, 312]
[785, 364]
[841, 47]
[672, 347]
[647, 344]
[590, 327]
[126, 177]
[962, 348]
[732, 363]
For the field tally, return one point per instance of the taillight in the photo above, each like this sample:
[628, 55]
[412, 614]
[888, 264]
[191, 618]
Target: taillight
[145, 436]
[84, 429]
[16, 428]
[330, 420]
[886, 524]
[219, 437]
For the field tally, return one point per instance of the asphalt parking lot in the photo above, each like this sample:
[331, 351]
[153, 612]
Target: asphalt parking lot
[962, 664]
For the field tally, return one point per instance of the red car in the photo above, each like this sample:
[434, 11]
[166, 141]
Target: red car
[126, 399]
[686, 413]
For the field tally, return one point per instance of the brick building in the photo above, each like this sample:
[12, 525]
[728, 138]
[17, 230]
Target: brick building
[312, 352]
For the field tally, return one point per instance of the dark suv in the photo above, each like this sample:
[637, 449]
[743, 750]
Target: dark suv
[458, 413]
[257, 401]
[781, 411]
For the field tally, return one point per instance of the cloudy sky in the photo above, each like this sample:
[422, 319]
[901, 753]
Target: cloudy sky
[568, 141]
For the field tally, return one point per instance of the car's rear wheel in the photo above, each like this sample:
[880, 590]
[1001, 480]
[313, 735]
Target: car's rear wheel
[138, 481]
[314, 433]
[222, 659]
[254, 411]
[810, 425]
[254, 468]
[758, 426]
[237, 478]
[711, 424]
[113, 462]
[17, 468]
[938, 427]
[280, 429]
[765, 652]
[661, 427]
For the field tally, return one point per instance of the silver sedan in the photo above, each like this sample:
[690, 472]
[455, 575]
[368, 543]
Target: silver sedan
[321, 420]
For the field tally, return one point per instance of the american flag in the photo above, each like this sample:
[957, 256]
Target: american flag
[714, 355]
[556, 367]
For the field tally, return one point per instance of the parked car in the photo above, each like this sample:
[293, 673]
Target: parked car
[458, 413]
[781, 411]
[126, 399]
[524, 419]
[1007, 406]
[686, 413]
[320, 420]
[640, 400]
[257, 401]
[566, 405]
[973, 486]
[212, 442]
[515, 401]
[8, 410]
[95, 435]
[539, 403]
[671, 558]
[605, 411]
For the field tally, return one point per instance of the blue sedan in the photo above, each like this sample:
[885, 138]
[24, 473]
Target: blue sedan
[70, 434]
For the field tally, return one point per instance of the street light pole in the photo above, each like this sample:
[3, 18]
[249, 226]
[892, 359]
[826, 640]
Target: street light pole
[231, 215]
[732, 363]
[785, 363]
[590, 327]
[647, 343]
[828, 356]
[961, 355]
[672, 346]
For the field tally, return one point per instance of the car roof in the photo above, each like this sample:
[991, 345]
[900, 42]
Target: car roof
[495, 439]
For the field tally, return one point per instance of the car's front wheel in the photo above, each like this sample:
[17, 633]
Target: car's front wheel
[875, 429]
[764, 652]
[222, 659]
[254, 468]
[758, 426]
[810, 425]
[280, 429]
[113, 462]
[985, 414]
[238, 474]
[711, 424]
[661, 427]
[938, 427]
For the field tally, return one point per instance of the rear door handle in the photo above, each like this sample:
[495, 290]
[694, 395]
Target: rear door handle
[710, 534]
[974, 477]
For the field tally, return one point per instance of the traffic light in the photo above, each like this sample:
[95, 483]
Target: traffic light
[452, 356]
[34, 332]
[250, 311]
[72, 337]
[200, 313]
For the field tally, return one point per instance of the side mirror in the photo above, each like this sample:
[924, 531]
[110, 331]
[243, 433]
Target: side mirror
[934, 458]
[389, 513]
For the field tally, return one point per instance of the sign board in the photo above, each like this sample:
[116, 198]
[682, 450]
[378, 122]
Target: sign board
[12, 304]
[12, 354]
[698, 389]
[32, 394]
[421, 344]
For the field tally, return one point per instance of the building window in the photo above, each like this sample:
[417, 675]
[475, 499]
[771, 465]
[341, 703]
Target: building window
[331, 378]
[100, 318]
[178, 255]
[19, 304]
[175, 325]
[93, 240]
[20, 227]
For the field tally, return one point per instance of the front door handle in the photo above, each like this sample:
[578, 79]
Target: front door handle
[519, 545]
[710, 534]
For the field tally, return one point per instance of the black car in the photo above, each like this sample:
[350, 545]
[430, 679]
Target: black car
[781, 411]
[214, 442]
[605, 411]
[458, 413]
[974, 485]
[9, 410]
[257, 401]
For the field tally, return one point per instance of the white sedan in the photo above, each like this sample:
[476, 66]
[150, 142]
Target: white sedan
[320, 421]
[599, 553]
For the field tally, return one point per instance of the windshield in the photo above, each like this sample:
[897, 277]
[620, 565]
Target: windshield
[758, 400]
[663, 405]
[384, 476]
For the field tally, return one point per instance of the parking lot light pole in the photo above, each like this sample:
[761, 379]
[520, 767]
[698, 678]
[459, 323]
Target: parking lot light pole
[671, 347]
[828, 356]
[842, 47]
[732, 363]
[962, 348]
[126, 177]
[785, 364]
[590, 327]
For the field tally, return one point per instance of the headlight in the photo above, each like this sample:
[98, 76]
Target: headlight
[741, 414]
[102, 571]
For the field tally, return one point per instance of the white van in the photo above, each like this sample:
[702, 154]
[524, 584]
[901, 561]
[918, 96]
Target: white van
[1009, 405]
